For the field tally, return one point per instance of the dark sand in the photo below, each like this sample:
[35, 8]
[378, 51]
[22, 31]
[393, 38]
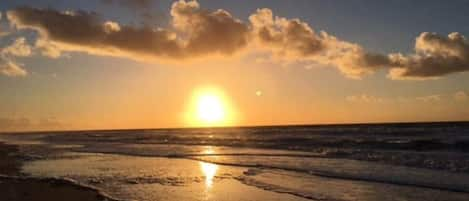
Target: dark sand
[16, 188]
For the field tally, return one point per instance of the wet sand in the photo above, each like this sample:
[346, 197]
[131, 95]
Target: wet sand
[19, 188]
[10, 163]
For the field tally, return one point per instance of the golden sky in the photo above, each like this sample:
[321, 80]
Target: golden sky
[108, 65]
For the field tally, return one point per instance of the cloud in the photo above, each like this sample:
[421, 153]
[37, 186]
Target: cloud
[429, 98]
[434, 56]
[82, 31]
[48, 48]
[294, 40]
[194, 32]
[8, 67]
[18, 48]
[207, 32]
[461, 96]
[11, 69]
[364, 98]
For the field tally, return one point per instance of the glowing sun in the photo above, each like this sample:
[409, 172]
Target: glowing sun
[210, 107]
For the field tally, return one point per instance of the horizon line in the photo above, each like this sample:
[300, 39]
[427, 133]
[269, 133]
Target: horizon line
[243, 126]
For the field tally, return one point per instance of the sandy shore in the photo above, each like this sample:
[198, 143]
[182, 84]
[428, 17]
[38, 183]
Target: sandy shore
[19, 188]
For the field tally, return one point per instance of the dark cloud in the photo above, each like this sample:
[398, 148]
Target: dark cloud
[196, 32]
[83, 31]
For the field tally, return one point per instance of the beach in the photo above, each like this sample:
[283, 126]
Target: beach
[239, 164]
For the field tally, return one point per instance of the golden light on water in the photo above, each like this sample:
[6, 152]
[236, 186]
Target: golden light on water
[209, 150]
[210, 107]
[209, 170]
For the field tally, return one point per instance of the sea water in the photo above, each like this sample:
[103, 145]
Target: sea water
[426, 161]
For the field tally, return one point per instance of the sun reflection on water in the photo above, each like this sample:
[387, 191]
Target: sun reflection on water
[209, 170]
[208, 150]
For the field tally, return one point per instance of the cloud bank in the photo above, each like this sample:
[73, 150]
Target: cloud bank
[194, 32]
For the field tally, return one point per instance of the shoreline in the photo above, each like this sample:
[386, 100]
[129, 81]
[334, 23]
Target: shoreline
[18, 187]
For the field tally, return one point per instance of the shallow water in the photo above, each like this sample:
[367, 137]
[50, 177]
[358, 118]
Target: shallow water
[148, 178]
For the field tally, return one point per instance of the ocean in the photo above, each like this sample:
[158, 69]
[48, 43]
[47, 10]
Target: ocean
[402, 161]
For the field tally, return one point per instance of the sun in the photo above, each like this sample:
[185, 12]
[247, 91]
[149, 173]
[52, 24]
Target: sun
[209, 107]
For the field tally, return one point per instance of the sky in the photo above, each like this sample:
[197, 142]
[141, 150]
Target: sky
[116, 64]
